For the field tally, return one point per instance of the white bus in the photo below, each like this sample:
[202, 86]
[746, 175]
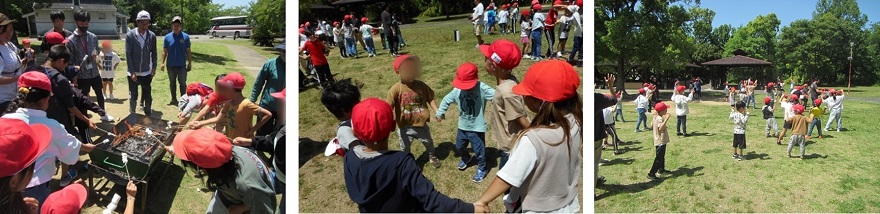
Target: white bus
[234, 26]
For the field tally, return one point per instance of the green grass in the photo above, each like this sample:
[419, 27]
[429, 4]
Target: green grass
[322, 187]
[268, 52]
[838, 174]
[178, 191]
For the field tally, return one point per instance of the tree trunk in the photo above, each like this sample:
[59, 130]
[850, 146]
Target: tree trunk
[621, 75]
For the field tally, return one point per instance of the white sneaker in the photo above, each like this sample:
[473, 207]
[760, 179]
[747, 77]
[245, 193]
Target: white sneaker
[108, 118]
[558, 54]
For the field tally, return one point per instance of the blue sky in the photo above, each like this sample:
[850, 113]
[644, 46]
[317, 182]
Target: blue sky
[740, 12]
[230, 3]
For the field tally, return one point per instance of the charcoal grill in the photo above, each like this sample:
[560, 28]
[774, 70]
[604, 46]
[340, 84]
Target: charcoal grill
[144, 149]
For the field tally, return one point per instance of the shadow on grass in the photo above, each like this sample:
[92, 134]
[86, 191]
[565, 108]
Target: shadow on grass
[700, 134]
[217, 60]
[626, 143]
[618, 161]
[161, 191]
[444, 18]
[815, 156]
[614, 189]
[116, 101]
[753, 155]
[308, 148]
[631, 149]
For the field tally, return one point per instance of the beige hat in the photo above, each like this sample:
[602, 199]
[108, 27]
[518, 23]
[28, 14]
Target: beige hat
[4, 20]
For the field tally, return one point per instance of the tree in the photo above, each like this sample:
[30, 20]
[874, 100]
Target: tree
[268, 16]
[757, 38]
[14, 9]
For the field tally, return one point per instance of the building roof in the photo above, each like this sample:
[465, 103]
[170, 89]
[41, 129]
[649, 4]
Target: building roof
[359, 2]
[738, 61]
[321, 7]
[87, 7]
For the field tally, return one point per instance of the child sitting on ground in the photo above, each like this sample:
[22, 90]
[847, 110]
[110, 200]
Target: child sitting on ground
[410, 98]
[815, 117]
[471, 96]
[239, 112]
[740, 116]
[339, 98]
[107, 62]
[768, 110]
[799, 124]
[380, 180]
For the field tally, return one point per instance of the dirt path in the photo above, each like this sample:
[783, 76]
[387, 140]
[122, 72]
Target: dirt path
[247, 59]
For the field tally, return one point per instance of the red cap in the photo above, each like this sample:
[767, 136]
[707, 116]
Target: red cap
[817, 102]
[280, 95]
[579, 3]
[504, 7]
[372, 120]
[35, 80]
[21, 144]
[193, 88]
[770, 84]
[646, 84]
[551, 81]
[557, 2]
[466, 76]
[732, 88]
[535, 2]
[234, 80]
[660, 107]
[364, 19]
[400, 59]
[308, 24]
[335, 23]
[25, 41]
[67, 200]
[302, 30]
[490, 7]
[642, 91]
[767, 100]
[55, 38]
[793, 97]
[536, 7]
[525, 12]
[106, 43]
[798, 88]
[204, 147]
[832, 91]
[503, 53]
[347, 17]
[680, 88]
[515, 3]
[302, 25]
[798, 109]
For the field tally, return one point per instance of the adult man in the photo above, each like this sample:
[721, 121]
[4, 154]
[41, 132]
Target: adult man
[84, 49]
[270, 80]
[358, 36]
[698, 88]
[477, 18]
[390, 33]
[178, 54]
[140, 55]
[57, 26]
[814, 93]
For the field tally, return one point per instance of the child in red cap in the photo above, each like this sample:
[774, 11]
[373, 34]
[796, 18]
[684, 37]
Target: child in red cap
[740, 116]
[835, 104]
[787, 103]
[641, 107]
[273, 144]
[29, 55]
[20, 146]
[544, 169]
[338, 36]
[508, 110]
[317, 52]
[661, 138]
[367, 33]
[681, 108]
[471, 96]
[767, 111]
[241, 181]
[410, 99]
[799, 124]
[193, 98]
[108, 60]
[525, 27]
[503, 16]
[239, 112]
[380, 180]
[815, 117]
[211, 104]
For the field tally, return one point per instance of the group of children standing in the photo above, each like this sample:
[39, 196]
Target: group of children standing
[549, 89]
[534, 24]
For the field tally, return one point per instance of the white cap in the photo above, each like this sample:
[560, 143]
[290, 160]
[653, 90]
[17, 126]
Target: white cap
[143, 15]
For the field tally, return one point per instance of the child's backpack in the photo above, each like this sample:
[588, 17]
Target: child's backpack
[766, 111]
[201, 89]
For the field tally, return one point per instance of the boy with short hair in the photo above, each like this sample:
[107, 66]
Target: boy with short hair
[799, 125]
[767, 110]
[380, 180]
[661, 138]
[815, 117]
[367, 34]
[471, 96]
[239, 112]
[508, 109]
[681, 109]
[740, 116]
[108, 60]
[410, 98]
[318, 53]
[339, 98]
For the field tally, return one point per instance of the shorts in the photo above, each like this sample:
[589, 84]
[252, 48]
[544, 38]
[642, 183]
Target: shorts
[739, 141]
[563, 36]
[478, 29]
[787, 125]
[524, 39]
[107, 79]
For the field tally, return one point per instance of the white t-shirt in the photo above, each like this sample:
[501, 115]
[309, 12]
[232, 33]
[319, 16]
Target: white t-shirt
[367, 31]
[502, 16]
[834, 104]
[789, 111]
[516, 170]
[10, 67]
[524, 28]
[302, 40]
[577, 21]
[107, 61]
[478, 11]
[188, 104]
[641, 101]
[63, 146]
[337, 34]
[681, 103]
[608, 115]
[538, 21]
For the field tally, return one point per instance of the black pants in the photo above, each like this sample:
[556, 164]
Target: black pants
[145, 83]
[612, 133]
[269, 127]
[177, 78]
[659, 159]
[4, 107]
[302, 79]
[94, 83]
[323, 72]
[698, 94]
[392, 43]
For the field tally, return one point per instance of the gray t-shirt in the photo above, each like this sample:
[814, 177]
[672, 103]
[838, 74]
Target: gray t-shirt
[253, 185]
[813, 93]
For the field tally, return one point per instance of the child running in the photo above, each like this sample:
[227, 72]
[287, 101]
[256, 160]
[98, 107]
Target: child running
[545, 165]
[740, 116]
[815, 117]
[508, 110]
[661, 138]
[767, 111]
[471, 96]
[410, 98]
[108, 60]
[799, 124]
[380, 180]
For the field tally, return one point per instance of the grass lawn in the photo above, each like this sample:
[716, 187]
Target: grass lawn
[322, 187]
[836, 174]
[178, 191]
[268, 52]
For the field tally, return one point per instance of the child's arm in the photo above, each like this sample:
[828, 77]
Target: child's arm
[444, 105]
[488, 92]
[199, 124]
[662, 124]
[434, 105]
[423, 190]
[266, 116]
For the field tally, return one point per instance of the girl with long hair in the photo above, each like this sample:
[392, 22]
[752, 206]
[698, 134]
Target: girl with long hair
[20, 146]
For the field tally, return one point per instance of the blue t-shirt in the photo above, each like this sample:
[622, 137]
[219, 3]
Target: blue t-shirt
[176, 45]
[491, 16]
[471, 103]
